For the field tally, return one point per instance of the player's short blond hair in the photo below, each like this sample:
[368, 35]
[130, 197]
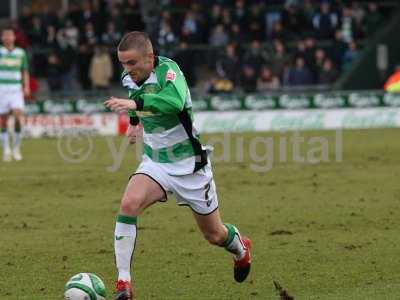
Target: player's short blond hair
[7, 28]
[137, 40]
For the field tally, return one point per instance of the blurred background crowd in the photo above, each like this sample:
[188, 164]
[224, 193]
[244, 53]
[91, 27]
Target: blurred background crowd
[221, 46]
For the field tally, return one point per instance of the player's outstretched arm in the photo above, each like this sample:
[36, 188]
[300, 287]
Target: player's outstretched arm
[26, 83]
[120, 105]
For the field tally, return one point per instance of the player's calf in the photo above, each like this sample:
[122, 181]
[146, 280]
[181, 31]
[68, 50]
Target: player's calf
[216, 237]
[141, 192]
[132, 205]
[16, 147]
[5, 140]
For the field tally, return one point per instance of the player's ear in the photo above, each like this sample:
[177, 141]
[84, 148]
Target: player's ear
[150, 57]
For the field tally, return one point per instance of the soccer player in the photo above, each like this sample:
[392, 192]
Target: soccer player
[14, 85]
[174, 161]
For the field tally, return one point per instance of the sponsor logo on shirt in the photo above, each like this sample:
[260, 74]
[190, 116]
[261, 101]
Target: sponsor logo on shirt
[170, 76]
[10, 62]
[150, 89]
[143, 114]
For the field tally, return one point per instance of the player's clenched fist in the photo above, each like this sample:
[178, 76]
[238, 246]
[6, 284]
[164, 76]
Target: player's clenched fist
[134, 132]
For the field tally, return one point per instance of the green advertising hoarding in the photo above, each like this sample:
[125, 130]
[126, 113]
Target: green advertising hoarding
[231, 102]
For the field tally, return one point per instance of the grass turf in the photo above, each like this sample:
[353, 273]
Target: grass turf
[323, 231]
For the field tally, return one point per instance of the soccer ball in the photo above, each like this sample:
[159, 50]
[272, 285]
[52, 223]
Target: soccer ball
[85, 286]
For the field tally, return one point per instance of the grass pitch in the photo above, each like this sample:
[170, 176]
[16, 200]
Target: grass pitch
[322, 231]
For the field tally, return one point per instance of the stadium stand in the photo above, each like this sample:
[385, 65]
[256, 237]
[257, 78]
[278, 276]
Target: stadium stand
[232, 45]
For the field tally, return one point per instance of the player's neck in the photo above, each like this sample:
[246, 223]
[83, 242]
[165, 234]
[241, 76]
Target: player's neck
[9, 47]
[140, 83]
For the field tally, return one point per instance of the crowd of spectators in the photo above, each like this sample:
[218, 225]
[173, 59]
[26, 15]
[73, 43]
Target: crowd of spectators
[246, 44]
[76, 48]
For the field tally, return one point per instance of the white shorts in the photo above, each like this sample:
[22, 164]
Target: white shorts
[196, 190]
[10, 100]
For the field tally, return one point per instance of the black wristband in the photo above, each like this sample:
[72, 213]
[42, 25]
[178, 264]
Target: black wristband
[139, 104]
[133, 121]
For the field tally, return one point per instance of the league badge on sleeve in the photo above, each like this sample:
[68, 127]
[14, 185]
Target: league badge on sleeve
[170, 76]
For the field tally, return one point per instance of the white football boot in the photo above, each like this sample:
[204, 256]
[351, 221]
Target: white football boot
[7, 155]
[17, 154]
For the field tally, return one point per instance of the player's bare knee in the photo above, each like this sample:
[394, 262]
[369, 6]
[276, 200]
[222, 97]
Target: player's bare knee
[132, 205]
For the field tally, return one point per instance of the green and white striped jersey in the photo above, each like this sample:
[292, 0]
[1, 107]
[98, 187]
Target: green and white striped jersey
[164, 107]
[12, 63]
